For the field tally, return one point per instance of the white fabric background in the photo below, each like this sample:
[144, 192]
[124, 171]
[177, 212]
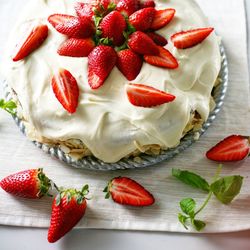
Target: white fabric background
[17, 153]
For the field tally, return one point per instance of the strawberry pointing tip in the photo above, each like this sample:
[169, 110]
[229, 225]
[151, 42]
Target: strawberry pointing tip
[162, 18]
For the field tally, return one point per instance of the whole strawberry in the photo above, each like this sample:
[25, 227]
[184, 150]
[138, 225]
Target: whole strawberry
[67, 210]
[32, 184]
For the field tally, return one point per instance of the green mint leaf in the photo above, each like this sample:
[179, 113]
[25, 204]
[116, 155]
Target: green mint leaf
[1, 103]
[226, 188]
[8, 106]
[198, 224]
[183, 219]
[188, 206]
[191, 179]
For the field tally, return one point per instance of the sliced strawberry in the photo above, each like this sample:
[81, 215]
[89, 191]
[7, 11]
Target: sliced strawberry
[165, 59]
[72, 26]
[162, 18]
[113, 25]
[128, 7]
[32, 41]
[147, 3]
[158, 39]
[66, 90]
[76, 47]
[190, 38]
[232, 148]
[84, 10]
[142, 19]
[129, 63]
[145, 96]
[126, 191]
[140, 43]
[101, 61]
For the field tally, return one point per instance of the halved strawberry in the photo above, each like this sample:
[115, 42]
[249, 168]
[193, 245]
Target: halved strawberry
[232, 148]
[147, 3]
[126, 191]
[84, 9]
[72, 26]
[66, 90]
[190, 38]
[162, 18]
[76, 47]
[32, 40]
[128, 7]
[101, 61]
[158, 39]
[145, 96]
[165, 59]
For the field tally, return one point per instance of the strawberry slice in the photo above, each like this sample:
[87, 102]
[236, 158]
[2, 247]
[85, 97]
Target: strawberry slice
[84, 10]
[76, 47]
[66, 90]
[190, 38]
[162, 18]
[128, 7]
[158, 39]
[126, 191]
[32, 41]
[232, 148]
[147, 3]
[101, 61]
[165, 59]
[72, 26]
[145, 96]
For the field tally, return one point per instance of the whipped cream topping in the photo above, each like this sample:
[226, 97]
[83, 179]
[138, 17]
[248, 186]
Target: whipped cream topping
[105, 121]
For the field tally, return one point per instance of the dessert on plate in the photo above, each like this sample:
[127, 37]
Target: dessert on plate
[112, 79]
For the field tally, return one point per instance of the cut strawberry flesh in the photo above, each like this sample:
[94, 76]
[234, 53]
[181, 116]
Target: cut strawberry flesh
[162, 18]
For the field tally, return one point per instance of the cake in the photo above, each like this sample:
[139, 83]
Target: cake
[105, 120]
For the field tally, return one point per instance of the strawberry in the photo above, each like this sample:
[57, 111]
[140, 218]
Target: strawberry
[66, 90]
[162, 18]
[32, 41]
[84, 10]
[158, 39]
[147, 3]
[76, 47]
[113, 25]
[142, 19]
[32, 184]
[232, 148]
[72, 26]
[126, 191]
[101, 61]
[190, 38]
[140, 43]
[145, 96]
[165, 59]
[68, 208]
[129, 63]
[128, 7]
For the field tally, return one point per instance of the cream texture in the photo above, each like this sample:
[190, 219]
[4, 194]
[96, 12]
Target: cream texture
[105, 120]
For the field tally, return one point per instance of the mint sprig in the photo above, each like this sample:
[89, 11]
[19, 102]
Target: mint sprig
[9, 106]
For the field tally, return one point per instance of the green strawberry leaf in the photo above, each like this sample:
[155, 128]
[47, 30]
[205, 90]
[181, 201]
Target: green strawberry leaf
[188, 206]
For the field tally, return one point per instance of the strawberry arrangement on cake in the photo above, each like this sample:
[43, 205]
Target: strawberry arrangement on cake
[112, 78]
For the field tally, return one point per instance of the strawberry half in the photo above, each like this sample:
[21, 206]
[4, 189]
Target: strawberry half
[84, 10]
[190, 38]
[126, 191]
[76, 47]
[165, 59]
[147, 3]
[128, 7]
[66, 90]
[145, 96]
[31, 184]
[101, 61]
[32, 41]
[158, 39]
[68, 208]
[72, 26]
[232, 148]
[162, 18]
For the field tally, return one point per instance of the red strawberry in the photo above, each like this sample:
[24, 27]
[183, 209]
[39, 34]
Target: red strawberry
[162, 18]
[84, 10]
[145, 96]
[165, 59]
[72, 26]
[32, 184]
[232, 148]
[113, 25]
[142, 19]
[126, 191]
[76, 47]
[66, 90]
[128, 7]
[140, 43]
[129, 63]
[68, 208]
[101, 61]
[158, 39]
[33, 40]
[188, 39]
[147, 3]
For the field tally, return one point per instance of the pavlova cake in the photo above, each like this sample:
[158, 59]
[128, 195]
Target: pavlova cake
[112, 78]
